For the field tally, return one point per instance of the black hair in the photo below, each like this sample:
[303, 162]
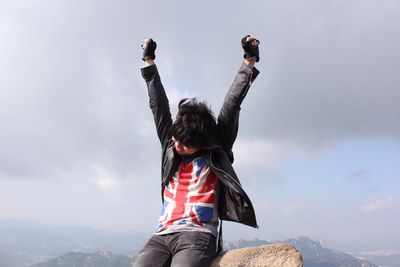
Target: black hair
[195, 124]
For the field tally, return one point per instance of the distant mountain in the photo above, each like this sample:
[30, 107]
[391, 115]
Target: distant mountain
[23, 244]
[228, 245]
[98, 259]
[316, 255]
[382, 258]
[313, 252]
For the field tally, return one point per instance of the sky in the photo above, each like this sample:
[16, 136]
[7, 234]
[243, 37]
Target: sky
[319, 139]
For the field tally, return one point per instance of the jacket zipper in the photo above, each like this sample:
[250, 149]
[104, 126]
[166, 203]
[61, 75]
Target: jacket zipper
[227, 174]
[231, 178]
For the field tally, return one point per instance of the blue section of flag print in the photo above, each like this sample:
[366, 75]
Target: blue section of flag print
[205, 214]
[200, 164]
[164, 207]
[182, 222]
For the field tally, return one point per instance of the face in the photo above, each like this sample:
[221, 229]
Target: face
[182, 149]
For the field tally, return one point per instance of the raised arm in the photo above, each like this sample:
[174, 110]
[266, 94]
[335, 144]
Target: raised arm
[158, 100]
[228, 119]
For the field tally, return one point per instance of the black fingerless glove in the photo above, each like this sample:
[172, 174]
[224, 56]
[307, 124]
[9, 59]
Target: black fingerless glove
[249, 50]
[149, 51]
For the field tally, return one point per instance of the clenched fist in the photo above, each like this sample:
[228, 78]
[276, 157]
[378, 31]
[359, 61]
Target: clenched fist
[149, 49]
[250, 47]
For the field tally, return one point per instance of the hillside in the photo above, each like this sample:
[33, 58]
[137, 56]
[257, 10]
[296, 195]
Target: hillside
[98, 259]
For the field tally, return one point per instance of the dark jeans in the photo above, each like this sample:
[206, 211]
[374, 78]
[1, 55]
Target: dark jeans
[187, 249]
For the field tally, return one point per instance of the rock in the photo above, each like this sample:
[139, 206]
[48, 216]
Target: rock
[276, 255]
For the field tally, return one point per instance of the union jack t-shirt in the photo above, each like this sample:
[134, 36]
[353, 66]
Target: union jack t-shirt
[190, 200]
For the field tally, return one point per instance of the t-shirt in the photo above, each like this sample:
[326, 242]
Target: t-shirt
[190, 199]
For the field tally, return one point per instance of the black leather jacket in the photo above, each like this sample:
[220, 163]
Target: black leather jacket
[234, 204]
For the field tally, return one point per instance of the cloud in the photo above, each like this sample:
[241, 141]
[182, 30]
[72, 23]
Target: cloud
[260, 153]
[106, 183]
[104, 179]
[74, 114]
[65, 97]
[329, 76]
[379, 204]
[71, 90]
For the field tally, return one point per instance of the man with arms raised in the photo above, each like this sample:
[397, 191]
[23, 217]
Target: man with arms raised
[199, 185]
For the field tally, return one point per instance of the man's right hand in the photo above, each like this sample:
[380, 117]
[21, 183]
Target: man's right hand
[149, 49]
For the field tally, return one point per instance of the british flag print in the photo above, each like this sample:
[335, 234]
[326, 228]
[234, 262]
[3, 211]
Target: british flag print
[190, 196]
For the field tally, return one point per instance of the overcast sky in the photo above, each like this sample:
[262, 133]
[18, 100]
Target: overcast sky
[318, 148]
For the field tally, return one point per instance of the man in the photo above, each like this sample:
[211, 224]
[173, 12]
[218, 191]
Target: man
[199, 185]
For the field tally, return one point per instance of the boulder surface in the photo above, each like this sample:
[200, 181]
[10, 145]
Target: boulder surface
[276, 255]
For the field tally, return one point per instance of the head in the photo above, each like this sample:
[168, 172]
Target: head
[194, 128]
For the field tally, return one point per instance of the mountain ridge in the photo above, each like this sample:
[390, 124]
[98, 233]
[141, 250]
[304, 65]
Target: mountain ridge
[95, 259]
[24, 244]
[312, 250]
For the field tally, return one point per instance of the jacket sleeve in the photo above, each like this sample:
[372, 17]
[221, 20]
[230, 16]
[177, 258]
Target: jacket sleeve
[228, 118]
[159, 103]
